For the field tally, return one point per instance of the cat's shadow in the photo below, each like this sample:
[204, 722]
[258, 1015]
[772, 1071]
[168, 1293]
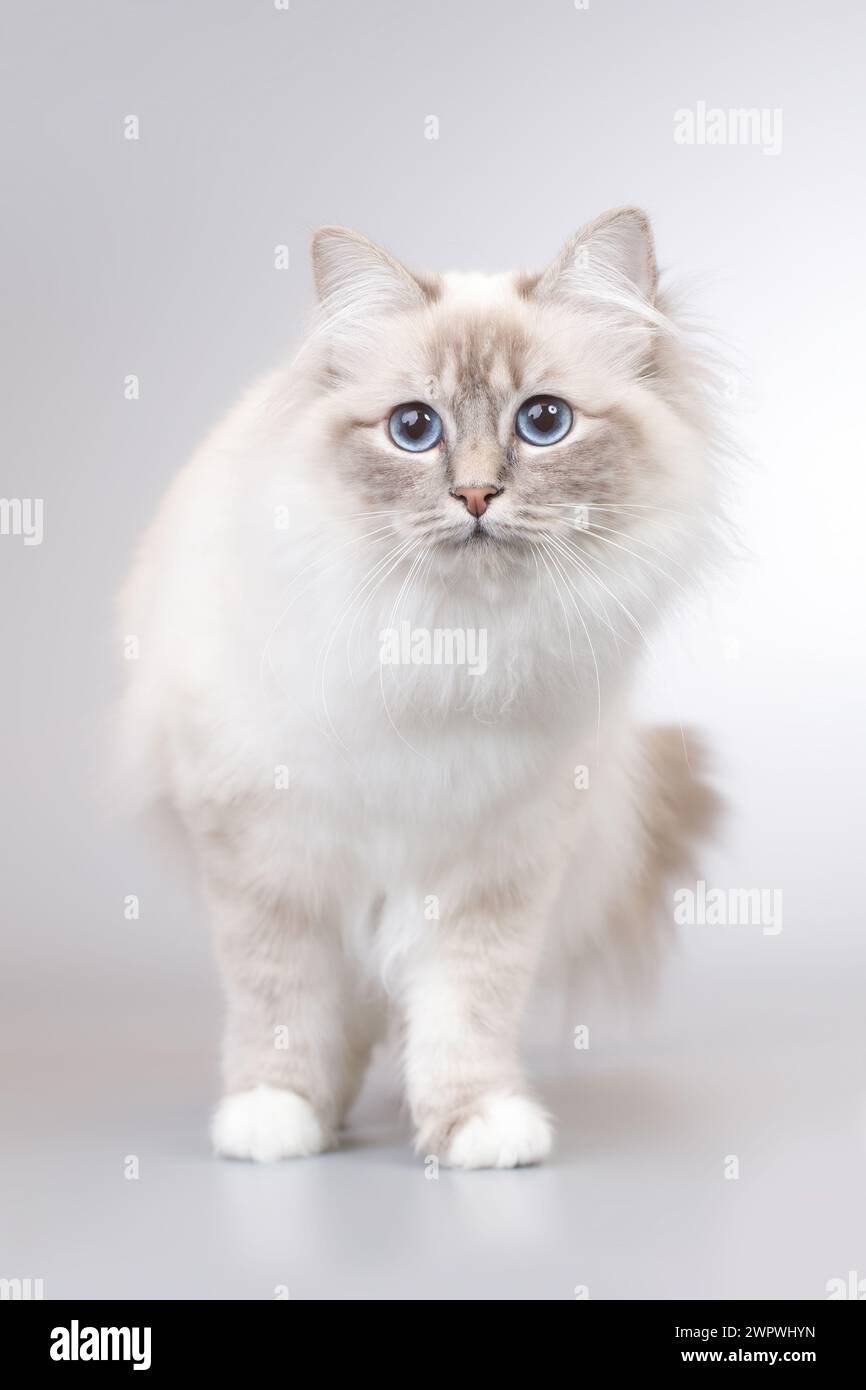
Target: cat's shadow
[595, 1115]
[608, 1113]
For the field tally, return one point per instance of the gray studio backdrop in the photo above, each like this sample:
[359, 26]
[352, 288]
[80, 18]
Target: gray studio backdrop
[180, 258]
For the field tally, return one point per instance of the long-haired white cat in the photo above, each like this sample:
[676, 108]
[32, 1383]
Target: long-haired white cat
[392, 604]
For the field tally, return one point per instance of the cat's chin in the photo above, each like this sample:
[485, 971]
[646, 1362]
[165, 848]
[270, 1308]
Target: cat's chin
[487, 546]
[477, 539]
[481, 538]
[487, 558]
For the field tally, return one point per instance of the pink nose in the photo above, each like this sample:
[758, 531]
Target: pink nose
[476, 498]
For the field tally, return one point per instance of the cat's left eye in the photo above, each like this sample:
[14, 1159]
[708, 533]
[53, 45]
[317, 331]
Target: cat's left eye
[415, 426]
[543, 420]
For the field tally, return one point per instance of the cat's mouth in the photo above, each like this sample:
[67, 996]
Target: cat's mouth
[482, 537]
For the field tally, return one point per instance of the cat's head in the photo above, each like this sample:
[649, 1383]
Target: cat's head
[485, 416]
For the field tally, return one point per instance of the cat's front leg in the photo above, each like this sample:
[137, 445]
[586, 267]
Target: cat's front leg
[295, 1045]
[466, 987]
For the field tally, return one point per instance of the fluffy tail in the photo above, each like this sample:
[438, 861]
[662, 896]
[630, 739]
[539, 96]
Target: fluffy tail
[646, 816]
[676, 810]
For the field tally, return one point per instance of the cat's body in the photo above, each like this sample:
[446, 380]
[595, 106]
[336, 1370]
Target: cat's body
[387, 689]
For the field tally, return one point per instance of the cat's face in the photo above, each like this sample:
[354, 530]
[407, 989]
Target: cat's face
[483, 416]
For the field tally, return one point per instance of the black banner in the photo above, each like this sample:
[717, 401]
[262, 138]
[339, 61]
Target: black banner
[158, 1339]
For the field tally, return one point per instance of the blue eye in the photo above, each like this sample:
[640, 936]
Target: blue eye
[543, 420]
[415, 426]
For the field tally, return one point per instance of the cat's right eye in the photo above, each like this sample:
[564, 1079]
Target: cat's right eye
[415, 426]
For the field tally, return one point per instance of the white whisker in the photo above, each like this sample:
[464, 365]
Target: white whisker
[377, 574]
[577, 609]
[391, 624]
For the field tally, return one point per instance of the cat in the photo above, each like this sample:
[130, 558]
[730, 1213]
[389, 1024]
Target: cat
[388, 826]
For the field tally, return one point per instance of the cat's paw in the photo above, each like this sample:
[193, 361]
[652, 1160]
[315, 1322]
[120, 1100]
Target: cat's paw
[266, 1124]
[505, 1132]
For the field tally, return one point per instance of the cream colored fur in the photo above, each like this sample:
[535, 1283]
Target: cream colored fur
[405, 839]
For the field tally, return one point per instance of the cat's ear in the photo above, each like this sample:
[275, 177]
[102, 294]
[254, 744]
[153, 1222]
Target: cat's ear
[617, 248]
[355, 277]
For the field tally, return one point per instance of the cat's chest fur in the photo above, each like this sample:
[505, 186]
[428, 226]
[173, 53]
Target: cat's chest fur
[462, 688]
[426, 726]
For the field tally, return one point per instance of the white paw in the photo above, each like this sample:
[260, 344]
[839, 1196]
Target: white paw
[266, 1124]
[507, 1132]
